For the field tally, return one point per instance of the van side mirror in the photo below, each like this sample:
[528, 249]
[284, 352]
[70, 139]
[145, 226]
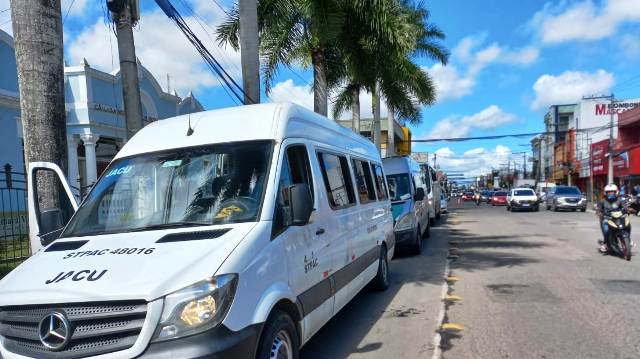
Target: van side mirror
[300, 203]
[419, 196]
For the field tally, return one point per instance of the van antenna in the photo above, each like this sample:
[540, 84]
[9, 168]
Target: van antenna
[189, 130]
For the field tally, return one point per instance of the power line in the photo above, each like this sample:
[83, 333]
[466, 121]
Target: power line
[213, 63]
[220, 7]
[494, 137]
[68, 10]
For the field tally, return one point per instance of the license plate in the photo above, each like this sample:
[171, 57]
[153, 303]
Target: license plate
[525, 205]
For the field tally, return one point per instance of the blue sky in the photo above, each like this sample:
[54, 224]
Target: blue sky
[510, 60]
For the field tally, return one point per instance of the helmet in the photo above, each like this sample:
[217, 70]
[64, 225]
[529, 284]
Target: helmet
[611, 192]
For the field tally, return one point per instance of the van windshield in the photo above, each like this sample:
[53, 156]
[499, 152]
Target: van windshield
[399, 188]
[206, 185]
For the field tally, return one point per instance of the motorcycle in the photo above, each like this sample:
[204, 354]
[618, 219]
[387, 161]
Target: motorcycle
[478, 200]
[618, 240]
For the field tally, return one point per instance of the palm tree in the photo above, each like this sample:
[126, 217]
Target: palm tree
[380, 62]
[37, 30]
[293, 31]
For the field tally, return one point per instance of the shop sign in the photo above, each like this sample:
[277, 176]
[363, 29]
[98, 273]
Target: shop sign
[605, 109]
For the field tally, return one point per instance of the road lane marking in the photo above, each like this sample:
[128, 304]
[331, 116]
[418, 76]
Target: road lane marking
[451, 327]
[452, 298]
[453, 278]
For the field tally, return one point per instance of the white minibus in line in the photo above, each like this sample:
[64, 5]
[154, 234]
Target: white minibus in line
[234, 233]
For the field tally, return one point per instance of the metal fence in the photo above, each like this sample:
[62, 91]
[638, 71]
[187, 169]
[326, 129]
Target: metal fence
[14, 230]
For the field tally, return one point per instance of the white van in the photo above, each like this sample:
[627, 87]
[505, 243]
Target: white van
[434, 192]
[235, 233]
[410, 206]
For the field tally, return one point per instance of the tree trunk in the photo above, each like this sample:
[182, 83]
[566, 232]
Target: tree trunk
[37, 31]
[249, 50]
[320, 97]
[377, 135]
[391, 144]
[355, 109]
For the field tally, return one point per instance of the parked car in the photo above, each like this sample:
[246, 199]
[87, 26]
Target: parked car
[499, 198]
[522, 199]
[468, 196]
[444, 203]
[565, 197]
[409, 202]
[248, 232]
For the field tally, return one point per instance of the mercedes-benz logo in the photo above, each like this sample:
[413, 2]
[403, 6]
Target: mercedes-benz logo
[54, 331]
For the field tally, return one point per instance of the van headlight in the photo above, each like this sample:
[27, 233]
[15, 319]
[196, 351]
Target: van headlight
[196, 308]
[405, 222]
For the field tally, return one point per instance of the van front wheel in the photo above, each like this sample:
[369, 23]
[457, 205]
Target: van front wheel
[381, 280]
[279, 338]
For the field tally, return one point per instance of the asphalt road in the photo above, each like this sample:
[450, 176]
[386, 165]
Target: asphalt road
[531, 285]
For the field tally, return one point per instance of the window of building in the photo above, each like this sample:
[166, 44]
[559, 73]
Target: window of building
[381, 186]
[337, 180]
[295, 169]
[364, 181]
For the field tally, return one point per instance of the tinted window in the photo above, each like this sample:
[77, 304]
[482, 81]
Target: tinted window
[381, 185]
[295, 169]
[364, 181]
[567, 190]
[399, 187]
[500, 194]
[523, 192]
[337, 180]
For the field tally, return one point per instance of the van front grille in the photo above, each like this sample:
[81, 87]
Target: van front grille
[94, 328]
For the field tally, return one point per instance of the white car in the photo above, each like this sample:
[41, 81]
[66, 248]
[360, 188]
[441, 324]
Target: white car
[443, 203]
[230, 233]
[522, 199]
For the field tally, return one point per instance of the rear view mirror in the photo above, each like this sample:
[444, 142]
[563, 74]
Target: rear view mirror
[419, 196]
[301, 204]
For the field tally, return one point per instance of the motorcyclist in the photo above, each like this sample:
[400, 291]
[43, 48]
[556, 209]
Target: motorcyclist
[612, 201]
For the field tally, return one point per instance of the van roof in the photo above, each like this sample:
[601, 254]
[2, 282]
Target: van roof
[399, 164]
[269, 121]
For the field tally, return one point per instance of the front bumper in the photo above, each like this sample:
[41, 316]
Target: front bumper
[568, 205]
[407, 236]
[220, 342]
[521, 205]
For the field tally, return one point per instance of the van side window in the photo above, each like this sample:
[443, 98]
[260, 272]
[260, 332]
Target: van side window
[337, 180]
[295, 169]
[364, 181]
[381, 186]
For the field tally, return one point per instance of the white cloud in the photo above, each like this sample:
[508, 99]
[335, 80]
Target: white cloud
[287, 91]
[474, 162]
[583, 21]
[468, 59]
[161, 48]
[5, 18]
[569, 87]
[74, 7]
[455, 126]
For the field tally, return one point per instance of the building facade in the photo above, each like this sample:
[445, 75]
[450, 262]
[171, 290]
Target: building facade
[94, 114]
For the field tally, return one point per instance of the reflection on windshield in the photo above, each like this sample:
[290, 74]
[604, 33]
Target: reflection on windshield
[567, 190]
[524, 193]
[399, 188]
[193, 186]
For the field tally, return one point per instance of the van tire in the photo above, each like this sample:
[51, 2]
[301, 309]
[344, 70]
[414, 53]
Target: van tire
[279, 332]
[380, 282]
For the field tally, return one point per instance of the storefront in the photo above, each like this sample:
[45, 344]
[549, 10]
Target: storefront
[626, 166]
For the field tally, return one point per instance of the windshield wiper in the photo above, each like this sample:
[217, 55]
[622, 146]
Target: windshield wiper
[171, 225]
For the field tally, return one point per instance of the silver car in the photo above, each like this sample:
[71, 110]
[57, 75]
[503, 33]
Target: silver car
[565, 197]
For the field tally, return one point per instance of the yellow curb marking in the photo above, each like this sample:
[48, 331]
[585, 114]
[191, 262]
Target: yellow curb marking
[452, 327]
[452, 298]
[453, 278]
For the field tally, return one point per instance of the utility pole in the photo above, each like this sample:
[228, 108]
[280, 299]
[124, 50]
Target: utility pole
[249, 57]
[376, 116]
[524, 165]
[435, 158]
[610, 172]
[125, 14]
[391, 143]
[37, 31]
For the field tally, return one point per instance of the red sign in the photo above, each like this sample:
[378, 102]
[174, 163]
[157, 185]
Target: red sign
[600, 160]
